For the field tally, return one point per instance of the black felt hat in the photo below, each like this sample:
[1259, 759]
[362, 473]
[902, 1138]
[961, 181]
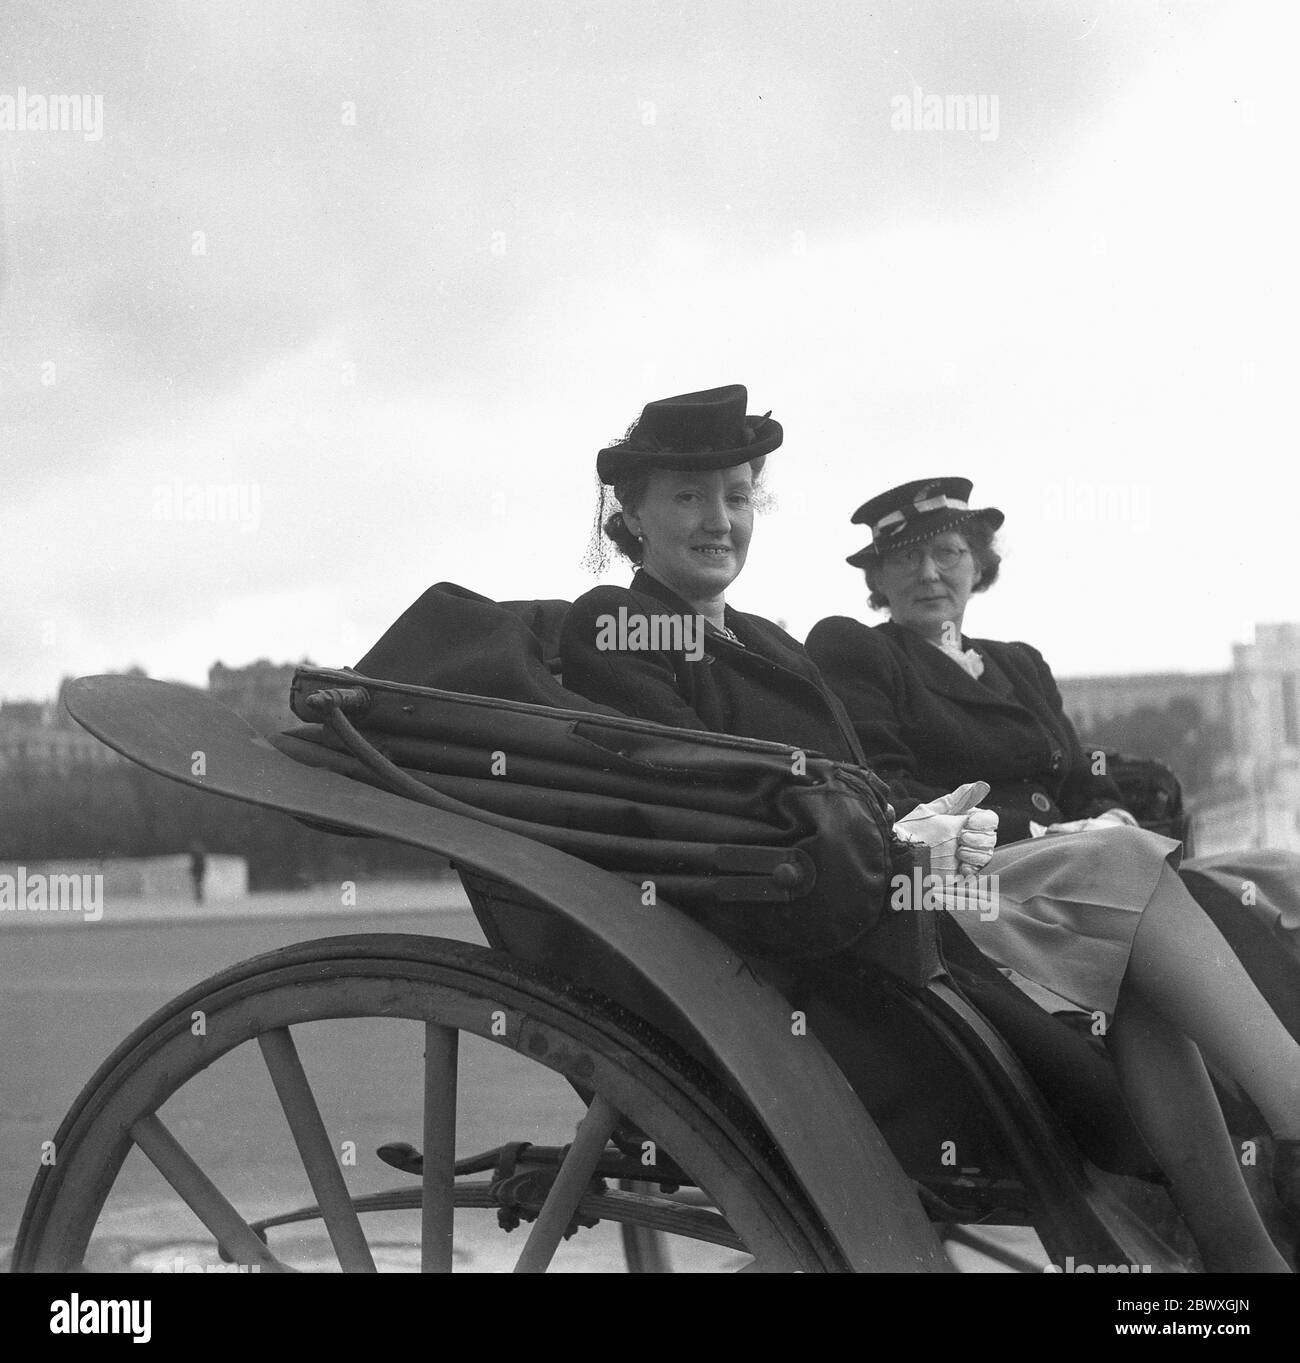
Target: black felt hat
[915, 512]
[706, 430]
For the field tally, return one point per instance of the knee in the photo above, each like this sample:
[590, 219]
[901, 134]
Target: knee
[1138, 837]
[1140, 844]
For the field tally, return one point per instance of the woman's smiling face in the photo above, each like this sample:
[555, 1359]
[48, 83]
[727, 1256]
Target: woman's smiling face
[695, 528]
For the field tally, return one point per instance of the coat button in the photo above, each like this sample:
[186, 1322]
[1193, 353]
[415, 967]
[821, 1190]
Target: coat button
[1056, 760]
[1040, 802]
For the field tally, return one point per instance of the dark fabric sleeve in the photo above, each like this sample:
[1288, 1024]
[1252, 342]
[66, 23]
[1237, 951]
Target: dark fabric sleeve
[860, 669]
[1083, 794]
[642, 684]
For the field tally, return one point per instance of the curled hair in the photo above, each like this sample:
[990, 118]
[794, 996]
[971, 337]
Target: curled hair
[630, 491]
[980, 539]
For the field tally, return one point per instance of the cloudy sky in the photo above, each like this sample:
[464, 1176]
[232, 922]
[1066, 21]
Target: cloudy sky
[341, 299]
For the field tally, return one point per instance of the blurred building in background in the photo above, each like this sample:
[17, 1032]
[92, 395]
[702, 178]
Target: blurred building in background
[41, 738]
[34, 737]
[1091, 701]
[258, 693]
[1233, 737]
[1266, 700]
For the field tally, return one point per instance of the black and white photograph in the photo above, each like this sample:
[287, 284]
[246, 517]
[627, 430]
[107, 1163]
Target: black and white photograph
[644, 637]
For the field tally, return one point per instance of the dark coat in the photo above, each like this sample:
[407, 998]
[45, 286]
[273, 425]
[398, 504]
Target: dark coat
[767, 689]
[927, 726]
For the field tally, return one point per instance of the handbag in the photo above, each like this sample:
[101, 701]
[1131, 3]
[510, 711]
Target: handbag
[1152, 794]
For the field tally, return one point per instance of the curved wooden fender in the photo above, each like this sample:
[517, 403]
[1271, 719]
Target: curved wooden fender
[802, 1099]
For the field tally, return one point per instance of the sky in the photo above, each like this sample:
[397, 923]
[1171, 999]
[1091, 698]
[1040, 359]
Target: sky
[333, 301]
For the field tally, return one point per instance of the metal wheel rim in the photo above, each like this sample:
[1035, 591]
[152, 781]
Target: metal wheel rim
[67, 1200]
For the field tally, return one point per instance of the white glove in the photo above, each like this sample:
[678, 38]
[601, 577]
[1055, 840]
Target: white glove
[960, 837]
[1112, 818]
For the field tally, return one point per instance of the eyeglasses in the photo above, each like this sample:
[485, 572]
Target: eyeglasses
[945, 556]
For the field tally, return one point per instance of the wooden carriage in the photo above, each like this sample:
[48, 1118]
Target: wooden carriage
[860, 1105]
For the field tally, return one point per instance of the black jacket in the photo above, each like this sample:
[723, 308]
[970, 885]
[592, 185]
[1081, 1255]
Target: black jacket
[765, 687]
[927, 726]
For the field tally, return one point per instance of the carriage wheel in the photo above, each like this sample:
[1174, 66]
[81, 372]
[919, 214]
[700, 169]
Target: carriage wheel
[637, 1080]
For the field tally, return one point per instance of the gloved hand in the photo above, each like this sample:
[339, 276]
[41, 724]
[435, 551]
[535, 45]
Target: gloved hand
[960, 837]
[1112, 818]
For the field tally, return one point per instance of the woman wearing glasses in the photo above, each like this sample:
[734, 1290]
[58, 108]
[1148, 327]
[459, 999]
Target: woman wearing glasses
[1093, 914]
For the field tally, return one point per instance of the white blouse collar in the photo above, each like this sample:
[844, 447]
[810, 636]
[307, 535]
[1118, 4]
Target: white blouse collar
[965, 658]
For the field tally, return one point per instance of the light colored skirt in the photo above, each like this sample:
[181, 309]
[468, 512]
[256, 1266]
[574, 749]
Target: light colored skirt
[1263, 883]
[1061, 916]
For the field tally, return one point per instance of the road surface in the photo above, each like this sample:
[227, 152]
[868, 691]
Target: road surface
[71, 990]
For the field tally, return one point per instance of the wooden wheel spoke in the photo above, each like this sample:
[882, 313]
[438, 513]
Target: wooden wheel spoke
[441, 1052]
[443, 986]
[318, 1157]
[570, 1184]
[202, 1196]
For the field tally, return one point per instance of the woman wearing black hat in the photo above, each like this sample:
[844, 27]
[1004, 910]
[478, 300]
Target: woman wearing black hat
[685, 482]
[684, 479]
[1097, 920]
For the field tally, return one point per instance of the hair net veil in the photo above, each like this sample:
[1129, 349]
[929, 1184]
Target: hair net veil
[600, 550]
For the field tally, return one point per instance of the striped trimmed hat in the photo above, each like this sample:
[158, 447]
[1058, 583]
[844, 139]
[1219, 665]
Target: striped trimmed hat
[916, 512]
